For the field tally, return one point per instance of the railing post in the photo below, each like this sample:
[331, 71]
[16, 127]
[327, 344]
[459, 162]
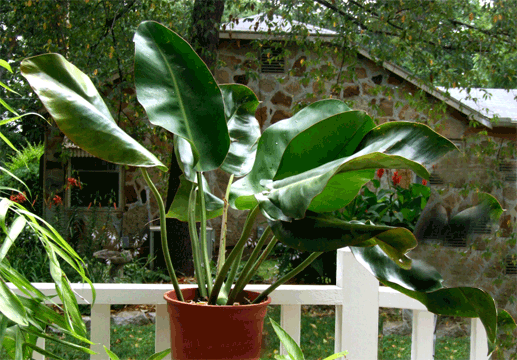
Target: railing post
[290, 321]
[357, 319]
[162, 335]
[100, 330]
[478, 340]
[41, 344]
[422, 342]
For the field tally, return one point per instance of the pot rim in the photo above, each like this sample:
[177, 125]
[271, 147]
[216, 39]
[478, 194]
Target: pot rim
[184, 303]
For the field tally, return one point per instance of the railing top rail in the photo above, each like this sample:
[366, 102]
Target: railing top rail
[153, 293]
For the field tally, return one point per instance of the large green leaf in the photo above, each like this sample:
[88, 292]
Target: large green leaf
[240, 104]
[179, 207]
[413, 141]
[15, 229]
[333, 185]
[317, 232]
[333, 138]
[79, 111]
[180, 94]
[271, 147]
[424, 284]
[11, 306]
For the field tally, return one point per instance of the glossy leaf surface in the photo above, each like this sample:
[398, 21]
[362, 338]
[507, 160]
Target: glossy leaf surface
[413, 141]
[179, 207]
[317, 232]
[180, 94]
[271, 147]
[80, 113]
[323, 167]
[240, 104]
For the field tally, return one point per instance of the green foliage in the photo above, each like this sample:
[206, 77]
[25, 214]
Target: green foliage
[393, 206]
[293, 350]
[25, 165]
[23, 318]
[313, 163]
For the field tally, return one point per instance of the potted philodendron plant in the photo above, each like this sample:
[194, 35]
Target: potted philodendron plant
[295, 173]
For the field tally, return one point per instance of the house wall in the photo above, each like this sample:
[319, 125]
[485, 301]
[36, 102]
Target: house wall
[129, 217]
[387, 97]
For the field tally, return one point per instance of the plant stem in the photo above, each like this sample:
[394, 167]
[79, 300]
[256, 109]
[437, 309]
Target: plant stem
[224, 228]
[241, 282]
[194, 241]
[163, 234]
[204, 250]
[263, 257]
[231, 277]
[287, 277]
[248, 225]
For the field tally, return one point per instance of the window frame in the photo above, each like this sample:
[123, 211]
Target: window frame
[121, 180]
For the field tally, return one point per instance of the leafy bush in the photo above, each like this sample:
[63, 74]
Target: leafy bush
[24, 164]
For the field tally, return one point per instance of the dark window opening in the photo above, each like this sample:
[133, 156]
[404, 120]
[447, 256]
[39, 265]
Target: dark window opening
[510, 266]
[435, 179]
[272, 61]
[99, 182]
[455, 242]
[508, 170]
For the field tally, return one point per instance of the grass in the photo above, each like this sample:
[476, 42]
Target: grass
[317, 338]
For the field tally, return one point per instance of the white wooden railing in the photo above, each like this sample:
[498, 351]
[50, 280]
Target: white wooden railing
[356, 296]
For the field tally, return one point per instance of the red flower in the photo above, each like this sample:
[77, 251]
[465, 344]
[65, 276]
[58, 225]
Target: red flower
[380, 172]
[57, 200]
[73, 182]
[20, 198]
[424, 182]
[396, 178]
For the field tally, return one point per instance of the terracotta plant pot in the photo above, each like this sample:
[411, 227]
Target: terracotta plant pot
[210, 332]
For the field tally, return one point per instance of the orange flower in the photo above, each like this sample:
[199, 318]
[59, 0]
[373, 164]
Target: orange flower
[57, 200]
[380, 172]
[424, 182]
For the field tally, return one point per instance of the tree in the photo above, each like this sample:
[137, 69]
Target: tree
[447, 43]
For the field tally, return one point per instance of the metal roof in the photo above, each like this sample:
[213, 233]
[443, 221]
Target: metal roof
[257, 25]
[500, 104]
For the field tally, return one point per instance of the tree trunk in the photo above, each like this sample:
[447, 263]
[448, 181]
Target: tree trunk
[206, 19]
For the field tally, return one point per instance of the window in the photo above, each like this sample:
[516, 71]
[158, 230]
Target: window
[510, 265]
[100, 182]
[508, 170]
[272, 61]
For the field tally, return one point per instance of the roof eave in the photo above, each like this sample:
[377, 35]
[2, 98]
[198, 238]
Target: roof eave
[471, 113]
[253, 35]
